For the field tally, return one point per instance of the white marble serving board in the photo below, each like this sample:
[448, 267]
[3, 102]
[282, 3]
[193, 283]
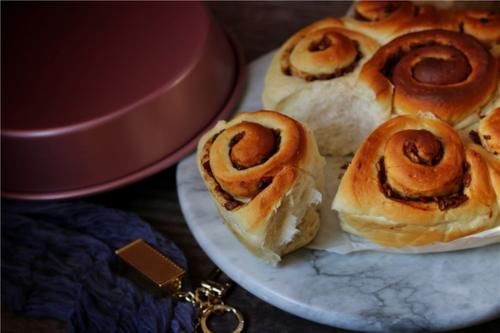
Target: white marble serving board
[365, 291]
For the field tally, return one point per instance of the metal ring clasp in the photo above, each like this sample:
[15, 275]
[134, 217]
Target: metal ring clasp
[221, 308]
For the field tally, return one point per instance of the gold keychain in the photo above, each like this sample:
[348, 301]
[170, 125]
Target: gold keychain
[167, 276]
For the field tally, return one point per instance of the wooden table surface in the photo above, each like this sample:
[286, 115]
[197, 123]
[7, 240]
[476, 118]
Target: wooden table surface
[260, 27]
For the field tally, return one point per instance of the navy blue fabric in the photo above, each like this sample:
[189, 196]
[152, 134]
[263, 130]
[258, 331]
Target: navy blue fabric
[58, 261]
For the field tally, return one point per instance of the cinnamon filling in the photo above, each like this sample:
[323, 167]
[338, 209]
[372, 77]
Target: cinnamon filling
[444, 202]
[264, 182]
[231, 203]
[208, 168]
[338, 73]
[388, 68]
[359, 17]
[323, 44]
[474, 136]
[236, 139]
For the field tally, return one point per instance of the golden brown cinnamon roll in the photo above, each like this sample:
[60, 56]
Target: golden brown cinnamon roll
[265, 174]
[385, 20]
[413, 182]
[311, 78]
[447, 73]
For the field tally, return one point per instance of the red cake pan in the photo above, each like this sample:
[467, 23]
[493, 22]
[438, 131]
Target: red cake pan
[99, 95]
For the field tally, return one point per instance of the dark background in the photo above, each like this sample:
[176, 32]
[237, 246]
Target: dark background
[260, 27]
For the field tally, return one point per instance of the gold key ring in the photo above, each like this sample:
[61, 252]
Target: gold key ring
[220, 308]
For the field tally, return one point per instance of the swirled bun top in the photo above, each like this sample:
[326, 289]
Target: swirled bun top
[321, 54]
[323, 50]
[246, 151]
[435, 171]
[447, 73]
[253, 145]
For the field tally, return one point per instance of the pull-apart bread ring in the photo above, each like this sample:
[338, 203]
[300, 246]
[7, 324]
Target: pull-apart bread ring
[413, 182]
[385, 20]
[265, 174]
[311, 79]
[449, 74]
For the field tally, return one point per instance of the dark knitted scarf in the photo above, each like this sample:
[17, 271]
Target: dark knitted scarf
[58, 261]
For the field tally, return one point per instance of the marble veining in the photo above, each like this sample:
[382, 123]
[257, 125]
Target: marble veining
[364, 291]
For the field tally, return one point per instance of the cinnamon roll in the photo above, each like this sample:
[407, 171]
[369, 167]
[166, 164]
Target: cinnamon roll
[311, 79]
[413, 182]
[447, 73]
[385, 20]
[265, 174]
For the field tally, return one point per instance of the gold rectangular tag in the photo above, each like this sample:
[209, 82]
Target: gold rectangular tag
[156, 267]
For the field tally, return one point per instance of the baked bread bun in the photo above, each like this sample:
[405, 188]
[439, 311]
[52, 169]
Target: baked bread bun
[311, 78]
[265, 174]
[385, 20]
[413, 182]
[449, 74]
